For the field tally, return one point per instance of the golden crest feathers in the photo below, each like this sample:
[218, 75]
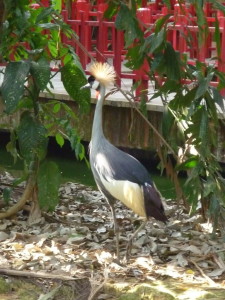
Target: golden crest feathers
[103, 72]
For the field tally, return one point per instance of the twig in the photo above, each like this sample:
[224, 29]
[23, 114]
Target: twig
[11, 185]
[10, 272]
[218, 251]
[218, 261]
[20, 204]
[208, 279]
[96, 290]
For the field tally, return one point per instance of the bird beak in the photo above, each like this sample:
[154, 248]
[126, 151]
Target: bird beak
[86, 86]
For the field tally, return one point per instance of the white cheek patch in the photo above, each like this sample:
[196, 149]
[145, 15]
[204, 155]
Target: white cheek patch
[129, 193]
[95, 85]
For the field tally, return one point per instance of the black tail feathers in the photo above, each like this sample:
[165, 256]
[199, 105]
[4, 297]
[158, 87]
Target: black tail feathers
[153, 204]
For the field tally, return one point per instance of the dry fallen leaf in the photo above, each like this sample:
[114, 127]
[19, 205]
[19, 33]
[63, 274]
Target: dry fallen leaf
[80, 239]
[181, 260]
[3, 236]
[216, 272]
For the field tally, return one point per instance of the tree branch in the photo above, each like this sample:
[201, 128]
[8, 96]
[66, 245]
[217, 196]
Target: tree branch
[37, 275]
[19, 205]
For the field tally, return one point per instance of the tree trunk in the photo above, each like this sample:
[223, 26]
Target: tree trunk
[27, 194]
[35, 212]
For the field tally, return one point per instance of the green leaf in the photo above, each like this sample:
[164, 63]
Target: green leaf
[209, 187]
[190, 163]
[56, 108]
[111, 10]
[55, 36]
[135, 58]
[59, 139]
[13, 84]
[212, 110]
[75, 59]
[127, 21]
[25, 102]
[73, 79]
[76, 144]
[32, 138]
[153, 42]
[186, 100]
[44, 14]
[217, 97]
[57, 4]
[172, 63]
[80, 151]
[219, 6]
[214, 207]
[161, 22]
[48, 181]
[217, 37]
[52, 46]
[41, 72]
[170, 86]
[203, 129]
[167, 122]
[202, 88]
[158, 63]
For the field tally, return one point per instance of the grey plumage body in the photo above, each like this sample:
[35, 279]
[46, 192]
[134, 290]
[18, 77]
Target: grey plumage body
[109, 164]
[112, 164]
[120, 176]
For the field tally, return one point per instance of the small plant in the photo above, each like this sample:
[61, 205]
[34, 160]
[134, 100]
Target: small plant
[30, 43]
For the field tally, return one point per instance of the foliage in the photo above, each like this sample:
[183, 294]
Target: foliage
[30, 41]
[192, 118]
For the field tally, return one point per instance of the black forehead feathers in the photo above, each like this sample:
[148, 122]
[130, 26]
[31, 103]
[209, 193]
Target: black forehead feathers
[91, 79]
[94, 84]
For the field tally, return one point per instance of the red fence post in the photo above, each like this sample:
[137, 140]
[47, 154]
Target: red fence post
[87, 21]
[102, 38]
[118, 38]
[82, 14]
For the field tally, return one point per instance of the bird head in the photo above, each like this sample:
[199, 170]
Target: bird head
[92, 84]
[101, 74]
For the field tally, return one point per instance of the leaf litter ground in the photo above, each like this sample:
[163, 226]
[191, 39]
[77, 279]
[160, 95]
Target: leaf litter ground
[69, 254]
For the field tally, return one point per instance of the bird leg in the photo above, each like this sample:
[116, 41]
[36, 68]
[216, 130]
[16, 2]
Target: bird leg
[129, 244]
[116, 229]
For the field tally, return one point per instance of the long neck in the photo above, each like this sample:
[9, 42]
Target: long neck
[97, 131]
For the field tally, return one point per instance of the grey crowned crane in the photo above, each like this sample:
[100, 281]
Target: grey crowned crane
[118, 175]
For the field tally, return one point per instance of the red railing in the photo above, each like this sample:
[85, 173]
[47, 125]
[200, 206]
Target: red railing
[103, 41]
